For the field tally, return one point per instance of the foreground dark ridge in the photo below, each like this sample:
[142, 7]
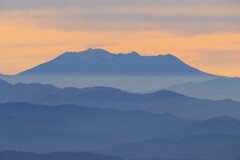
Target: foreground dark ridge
[40, 128]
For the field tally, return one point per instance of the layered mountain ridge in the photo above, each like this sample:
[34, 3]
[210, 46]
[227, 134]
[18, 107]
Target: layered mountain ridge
[106, 97]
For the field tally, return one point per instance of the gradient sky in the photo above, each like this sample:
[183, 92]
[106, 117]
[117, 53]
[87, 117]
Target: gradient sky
[203, 33]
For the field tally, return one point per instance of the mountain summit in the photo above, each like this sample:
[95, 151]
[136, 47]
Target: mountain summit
[101, 62]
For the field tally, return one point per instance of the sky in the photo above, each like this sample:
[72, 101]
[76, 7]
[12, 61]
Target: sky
[203, 33]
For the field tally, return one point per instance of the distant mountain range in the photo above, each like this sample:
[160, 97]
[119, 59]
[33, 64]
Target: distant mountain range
[167, 124]
[105, 97]
[220, 88]
[42, 128]
[97, 62]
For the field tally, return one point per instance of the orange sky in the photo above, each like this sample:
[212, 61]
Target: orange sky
[207, 38]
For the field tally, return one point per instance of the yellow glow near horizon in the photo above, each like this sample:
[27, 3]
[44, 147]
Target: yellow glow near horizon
[26, 41]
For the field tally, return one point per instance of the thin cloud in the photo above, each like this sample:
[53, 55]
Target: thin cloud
[30, 4]
[182, 20]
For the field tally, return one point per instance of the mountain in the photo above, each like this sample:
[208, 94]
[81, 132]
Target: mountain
[199, 147]
[24, 92]
[4, 84]
[156, 102]
[14, 155]
[46, 134]
[163, 101]
[96, 62]
[42, 128]
[115, 126]
[220, 88]
[221, 125]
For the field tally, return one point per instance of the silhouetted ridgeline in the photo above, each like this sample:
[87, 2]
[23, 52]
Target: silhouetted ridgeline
[41, 128]
[207, 146]
[162, 125]
[98, 67]
[220, 88]
[101, 62]
[105, 97]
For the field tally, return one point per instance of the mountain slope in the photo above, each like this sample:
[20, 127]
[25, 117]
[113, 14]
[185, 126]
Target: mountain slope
[41, 128]
[206, 146]
[24, 92]
[117, 126]
[46, 134]
[220, 88]
[100, 62]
